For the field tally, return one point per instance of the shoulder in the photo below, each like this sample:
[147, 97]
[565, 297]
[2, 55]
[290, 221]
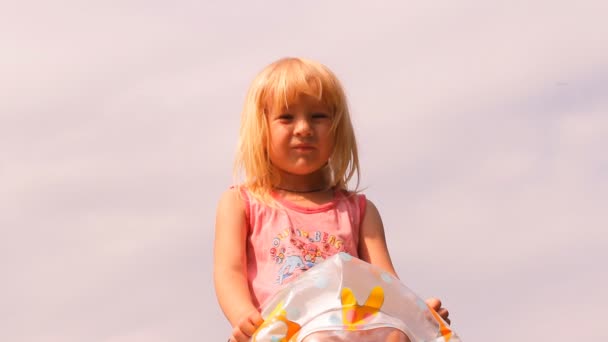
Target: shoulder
[368, 203]
[358, 199]
[351, 195]
[233, 198]
[369, 211]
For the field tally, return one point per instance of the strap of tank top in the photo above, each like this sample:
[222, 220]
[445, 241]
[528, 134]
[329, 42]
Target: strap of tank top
[362, 206]
[245, 197]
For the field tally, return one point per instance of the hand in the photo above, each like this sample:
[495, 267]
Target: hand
[246, 327]
[435, 304]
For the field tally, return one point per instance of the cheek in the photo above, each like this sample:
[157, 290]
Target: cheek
[277, 135]
[276, 147]
[274, 140]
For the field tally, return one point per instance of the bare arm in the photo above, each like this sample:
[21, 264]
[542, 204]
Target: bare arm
[372, 242]
[230, 260]
[373, 249]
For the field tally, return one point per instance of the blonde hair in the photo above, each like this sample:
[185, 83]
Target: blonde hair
[278, 85]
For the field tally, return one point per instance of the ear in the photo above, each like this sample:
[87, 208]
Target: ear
[376, 298]
[348, 298]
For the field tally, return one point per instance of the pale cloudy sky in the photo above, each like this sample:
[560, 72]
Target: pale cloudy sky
[483, 130]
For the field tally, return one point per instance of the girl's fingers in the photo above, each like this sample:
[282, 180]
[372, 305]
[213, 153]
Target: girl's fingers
[250, 324]
[246, 328]
[256, 319]
[238, 336]
[434, 303]
[444, 313]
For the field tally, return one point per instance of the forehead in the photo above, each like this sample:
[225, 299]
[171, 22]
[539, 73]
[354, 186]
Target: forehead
[301, 101]
[292, 84]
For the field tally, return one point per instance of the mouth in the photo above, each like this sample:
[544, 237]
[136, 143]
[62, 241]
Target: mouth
[303, 147]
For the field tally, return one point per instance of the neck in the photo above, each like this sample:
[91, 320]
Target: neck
[314, 182]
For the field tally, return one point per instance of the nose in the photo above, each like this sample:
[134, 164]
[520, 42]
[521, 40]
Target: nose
[303, 128]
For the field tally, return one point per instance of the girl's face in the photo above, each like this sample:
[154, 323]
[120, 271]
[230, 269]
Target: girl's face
[300, 136]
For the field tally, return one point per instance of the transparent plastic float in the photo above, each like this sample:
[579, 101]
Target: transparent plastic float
[347, 299]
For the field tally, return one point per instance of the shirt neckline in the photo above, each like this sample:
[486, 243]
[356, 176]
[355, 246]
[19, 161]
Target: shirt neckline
[307, 209]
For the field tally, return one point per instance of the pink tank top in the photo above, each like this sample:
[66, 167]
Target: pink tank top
[284, 241]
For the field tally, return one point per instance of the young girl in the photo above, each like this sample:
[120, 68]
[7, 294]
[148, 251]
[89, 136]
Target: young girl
[298, 152]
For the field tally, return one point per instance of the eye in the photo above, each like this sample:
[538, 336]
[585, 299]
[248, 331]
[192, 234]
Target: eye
[320, 115]
[285, 117]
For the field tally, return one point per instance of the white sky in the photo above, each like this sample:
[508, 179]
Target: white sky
[483, 130]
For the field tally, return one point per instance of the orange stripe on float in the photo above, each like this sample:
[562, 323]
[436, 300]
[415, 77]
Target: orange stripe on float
[443, 329]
